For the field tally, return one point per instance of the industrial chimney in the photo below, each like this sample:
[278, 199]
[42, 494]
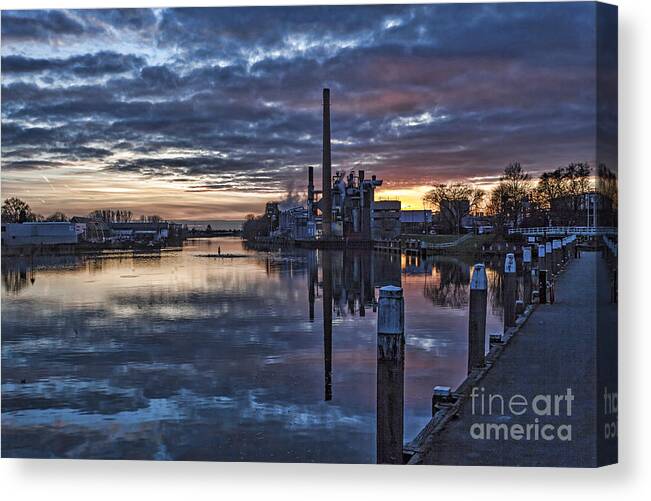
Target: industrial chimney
[326, 197]
[310, 190]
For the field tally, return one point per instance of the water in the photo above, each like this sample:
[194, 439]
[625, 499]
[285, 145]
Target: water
[178, 356]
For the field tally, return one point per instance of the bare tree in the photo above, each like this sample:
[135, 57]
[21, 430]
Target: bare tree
[454, 201]
[112, 216]
[559, 192]
[507, 199]
[57, 217]
[607, 184]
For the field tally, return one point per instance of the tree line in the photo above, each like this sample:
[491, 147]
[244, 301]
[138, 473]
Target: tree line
[15, 210]
[520, 200]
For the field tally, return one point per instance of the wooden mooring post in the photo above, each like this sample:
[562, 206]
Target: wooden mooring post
[526, 274]
[510, 290]
[558, 255]
[477, 309]
[549, 264]
[390, 375]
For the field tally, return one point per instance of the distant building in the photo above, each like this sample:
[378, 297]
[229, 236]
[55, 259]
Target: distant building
[295, 224]
[452, 213]
[41, 233]
[588, 209]
[478, 224]
[141, 232]
[386, 220]
[416, 221]
[91, 230]
[272, 213]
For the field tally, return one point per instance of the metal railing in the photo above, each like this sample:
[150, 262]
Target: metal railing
[566, 230]
[612, 246]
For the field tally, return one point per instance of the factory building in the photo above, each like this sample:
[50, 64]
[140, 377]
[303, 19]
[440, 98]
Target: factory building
[41, 233]
[347, 200]
[386, 220]
[142, 232]
[344, 210]
[416, 221]
[295, 224]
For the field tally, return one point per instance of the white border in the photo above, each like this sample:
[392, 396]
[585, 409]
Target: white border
[111, 480]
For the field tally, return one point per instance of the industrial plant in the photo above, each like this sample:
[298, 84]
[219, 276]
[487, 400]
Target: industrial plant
[343, 212]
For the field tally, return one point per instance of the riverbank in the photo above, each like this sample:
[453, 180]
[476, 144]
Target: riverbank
[552, 354]
[87, 248]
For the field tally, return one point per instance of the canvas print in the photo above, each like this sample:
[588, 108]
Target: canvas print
[338, 234]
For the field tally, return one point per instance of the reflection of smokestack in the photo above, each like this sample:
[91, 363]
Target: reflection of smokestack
[327, 322]
[326, 199]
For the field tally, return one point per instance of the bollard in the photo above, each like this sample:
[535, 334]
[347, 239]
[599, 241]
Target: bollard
[390, 375]
[526, 274]
[542, 286]
[556, 252]
[477, 317]
[549, 265]
[510, 286]
[441, 395]
[541, 258]
[519, 307]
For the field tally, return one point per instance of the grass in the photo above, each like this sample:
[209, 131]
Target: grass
[475, 242]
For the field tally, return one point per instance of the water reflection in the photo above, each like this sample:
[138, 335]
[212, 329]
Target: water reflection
[176, 356]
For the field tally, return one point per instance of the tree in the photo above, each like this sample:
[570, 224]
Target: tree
[577, 178]
[154, 218]
[508, 198]
[559, 192]
[454, 201]
[607, 184]
[57, 217]
[255, 226]
[112, 216]
[14, 210]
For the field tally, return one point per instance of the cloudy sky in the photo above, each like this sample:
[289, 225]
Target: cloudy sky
[207, 113]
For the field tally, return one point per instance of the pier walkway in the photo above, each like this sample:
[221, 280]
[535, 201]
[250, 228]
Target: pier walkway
[555, 350]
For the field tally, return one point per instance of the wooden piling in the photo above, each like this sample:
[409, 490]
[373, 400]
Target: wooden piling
[557, 253]
[541, 258]
[526, 274]
[542, 286]
[390, 375]
[477, 317]
[510, 289]
[549, 265]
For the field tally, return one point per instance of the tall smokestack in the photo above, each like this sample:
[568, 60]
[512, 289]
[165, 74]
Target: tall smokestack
[310, 189]
[326, 197]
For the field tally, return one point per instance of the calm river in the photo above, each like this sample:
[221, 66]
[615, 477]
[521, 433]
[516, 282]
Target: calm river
[176, 355]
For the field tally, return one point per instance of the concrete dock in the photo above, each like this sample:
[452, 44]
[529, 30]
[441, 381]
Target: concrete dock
[553, 352]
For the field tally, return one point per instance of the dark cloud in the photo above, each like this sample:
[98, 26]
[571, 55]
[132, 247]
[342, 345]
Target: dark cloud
[86, 65]
[230, 98]
[38, 25]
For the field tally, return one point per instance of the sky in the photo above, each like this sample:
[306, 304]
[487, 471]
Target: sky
[200, 114]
